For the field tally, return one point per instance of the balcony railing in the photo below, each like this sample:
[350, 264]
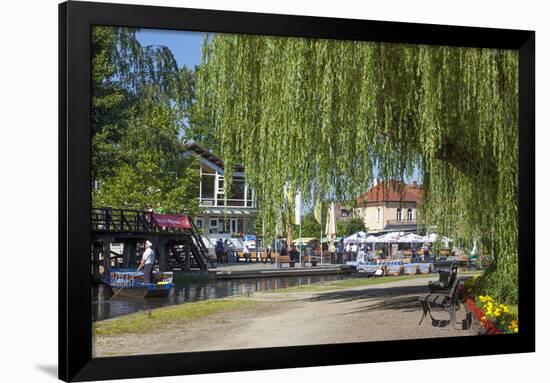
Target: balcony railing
[211, 202]
[397, 222]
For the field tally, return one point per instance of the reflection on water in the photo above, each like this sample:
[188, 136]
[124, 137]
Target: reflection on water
[185, 292]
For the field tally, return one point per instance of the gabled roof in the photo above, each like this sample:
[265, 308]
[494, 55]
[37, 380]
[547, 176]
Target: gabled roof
[208, 155]
[393, 191]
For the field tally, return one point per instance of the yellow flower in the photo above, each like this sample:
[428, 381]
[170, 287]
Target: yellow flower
[516, 330]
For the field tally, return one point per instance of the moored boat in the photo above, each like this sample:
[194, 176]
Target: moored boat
[128, 282]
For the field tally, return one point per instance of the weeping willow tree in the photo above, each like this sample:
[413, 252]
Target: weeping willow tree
[331, 115]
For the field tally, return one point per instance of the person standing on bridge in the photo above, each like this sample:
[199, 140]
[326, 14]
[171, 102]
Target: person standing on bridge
[147, 262]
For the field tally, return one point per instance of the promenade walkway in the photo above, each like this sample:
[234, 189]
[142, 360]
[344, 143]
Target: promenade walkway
[387, 311]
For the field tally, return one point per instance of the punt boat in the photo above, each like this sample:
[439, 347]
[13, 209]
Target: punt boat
[128, 282]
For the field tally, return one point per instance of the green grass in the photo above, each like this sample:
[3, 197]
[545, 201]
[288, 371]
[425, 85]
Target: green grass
[349, 283]
[356, 282]
[142, 322]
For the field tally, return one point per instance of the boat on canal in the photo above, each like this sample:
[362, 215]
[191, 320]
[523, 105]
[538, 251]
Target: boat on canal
[130, 283]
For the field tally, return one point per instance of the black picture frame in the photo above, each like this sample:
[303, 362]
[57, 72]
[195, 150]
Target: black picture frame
[75, 317]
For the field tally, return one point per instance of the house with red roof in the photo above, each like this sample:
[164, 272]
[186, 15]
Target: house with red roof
[387, 206]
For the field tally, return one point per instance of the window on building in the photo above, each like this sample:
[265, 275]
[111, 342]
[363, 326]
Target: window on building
[199, 223]
[409, 214]
[344, 212]
[237, 226]
[236, 195]
[207, 186]
[399, 217]
[378, 215]
[249, 197]
[213, 226]
[223, 225]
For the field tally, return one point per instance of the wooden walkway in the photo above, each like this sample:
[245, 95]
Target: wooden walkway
[176, 240]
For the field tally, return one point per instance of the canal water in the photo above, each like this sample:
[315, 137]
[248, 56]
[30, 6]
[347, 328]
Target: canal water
[186, 291]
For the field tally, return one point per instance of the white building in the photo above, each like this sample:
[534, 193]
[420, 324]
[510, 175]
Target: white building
[222, 218]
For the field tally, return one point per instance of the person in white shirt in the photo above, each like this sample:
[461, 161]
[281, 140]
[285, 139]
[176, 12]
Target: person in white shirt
[354, 251]
[147, 262]
[332, 252]
[246, 253]
[348, 251]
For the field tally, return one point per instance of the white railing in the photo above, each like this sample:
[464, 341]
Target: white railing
[211, 202]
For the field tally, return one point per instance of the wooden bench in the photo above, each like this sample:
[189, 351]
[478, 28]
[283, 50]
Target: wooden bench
[266, 256]
[260, 256]
[446, 280]
[282, 259]
[310, 259]
[247, 257]
[446, 301]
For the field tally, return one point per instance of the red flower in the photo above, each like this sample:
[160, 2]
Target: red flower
[471, 306]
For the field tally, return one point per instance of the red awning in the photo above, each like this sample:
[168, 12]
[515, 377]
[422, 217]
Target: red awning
[172, 220]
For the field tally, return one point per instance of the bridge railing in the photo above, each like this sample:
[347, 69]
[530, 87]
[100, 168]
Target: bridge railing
[128, 220]
[110, 220]
[125, 220]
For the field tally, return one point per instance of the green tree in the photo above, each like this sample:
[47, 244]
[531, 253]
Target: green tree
[347, 228]
[310, 227]
[332, 114]
[150, 172]
[198, 126]
[140, 101]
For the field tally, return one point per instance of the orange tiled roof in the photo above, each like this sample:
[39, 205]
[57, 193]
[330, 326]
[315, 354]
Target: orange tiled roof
[394, 191]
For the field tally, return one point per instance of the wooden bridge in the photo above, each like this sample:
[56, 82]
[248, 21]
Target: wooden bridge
[176, 240]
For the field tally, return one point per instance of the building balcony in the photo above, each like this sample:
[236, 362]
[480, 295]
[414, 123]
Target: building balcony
[230, 203]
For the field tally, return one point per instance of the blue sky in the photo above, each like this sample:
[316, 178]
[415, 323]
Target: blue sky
[186, 46]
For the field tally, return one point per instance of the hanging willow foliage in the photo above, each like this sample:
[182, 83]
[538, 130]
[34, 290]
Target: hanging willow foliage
[332, 115]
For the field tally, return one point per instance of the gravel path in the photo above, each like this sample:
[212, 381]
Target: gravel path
[379, 312]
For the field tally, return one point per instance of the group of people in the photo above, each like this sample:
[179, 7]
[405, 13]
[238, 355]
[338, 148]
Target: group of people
[222, 250]
[338, 254]
[343, 253]
[350, 251]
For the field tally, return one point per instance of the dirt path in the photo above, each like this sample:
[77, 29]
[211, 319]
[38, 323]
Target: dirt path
[379, 312]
